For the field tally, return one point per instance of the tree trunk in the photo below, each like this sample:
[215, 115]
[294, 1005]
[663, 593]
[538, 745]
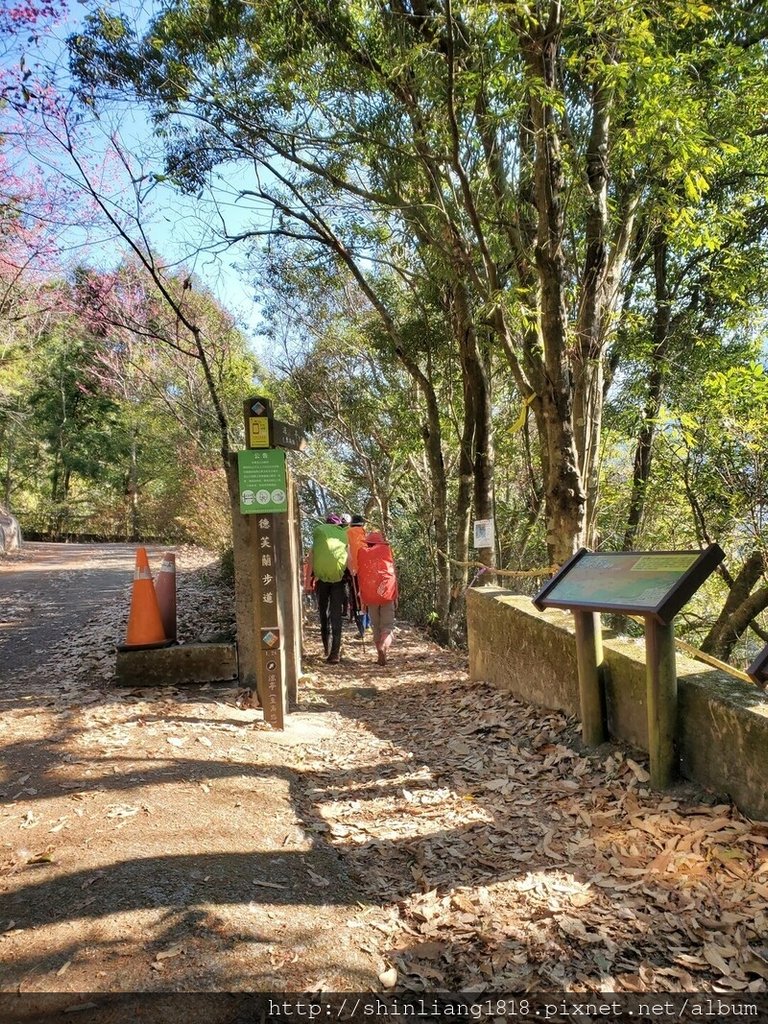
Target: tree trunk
[742, 605]
[433, 447]
[8, 470]
[591, 329]
[133, 489]
[641, 470]
[564, 493]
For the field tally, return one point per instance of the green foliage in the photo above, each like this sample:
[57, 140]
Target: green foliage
[108, 430]
[417, 221]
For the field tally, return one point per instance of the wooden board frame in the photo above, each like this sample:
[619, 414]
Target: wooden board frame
[758, 670]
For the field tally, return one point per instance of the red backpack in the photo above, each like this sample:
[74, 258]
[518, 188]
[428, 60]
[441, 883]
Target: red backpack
[376, 574]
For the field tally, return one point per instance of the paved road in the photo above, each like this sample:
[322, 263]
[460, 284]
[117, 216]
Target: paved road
[47, 591]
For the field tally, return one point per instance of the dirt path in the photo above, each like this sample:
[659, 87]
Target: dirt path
[48, 591]
[409, 827]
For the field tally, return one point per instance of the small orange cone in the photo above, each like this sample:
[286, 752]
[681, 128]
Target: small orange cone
[145, 627]
[165, 588]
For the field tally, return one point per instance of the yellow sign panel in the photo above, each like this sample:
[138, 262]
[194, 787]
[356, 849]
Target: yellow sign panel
[258, 432]
[664, 563]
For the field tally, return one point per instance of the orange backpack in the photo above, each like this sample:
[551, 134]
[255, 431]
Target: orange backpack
[355, 541]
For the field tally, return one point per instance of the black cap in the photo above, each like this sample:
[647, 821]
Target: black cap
[358, 521]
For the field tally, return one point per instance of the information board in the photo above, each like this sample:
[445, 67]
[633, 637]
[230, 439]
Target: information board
[262, 481]
[258, 432]
[655, 583]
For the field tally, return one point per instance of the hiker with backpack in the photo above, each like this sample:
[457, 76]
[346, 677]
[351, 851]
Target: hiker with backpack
[377, 580]
[329, 561]
[355, 541]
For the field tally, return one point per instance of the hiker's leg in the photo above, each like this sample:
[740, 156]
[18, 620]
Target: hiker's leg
[386, 625]
[374, 614]
[359, 610]
[335, 617]
[323, 591]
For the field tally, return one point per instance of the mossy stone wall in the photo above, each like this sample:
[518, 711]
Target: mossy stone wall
[722, 722]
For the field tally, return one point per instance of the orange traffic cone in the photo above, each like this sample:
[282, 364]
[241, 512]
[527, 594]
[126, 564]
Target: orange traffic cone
[165, 588]
[145, 627]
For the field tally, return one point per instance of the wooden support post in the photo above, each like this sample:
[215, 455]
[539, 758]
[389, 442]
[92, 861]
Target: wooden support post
[287, 577]
[296, 592]
[589, 654]
[661, 697]
[266, 560]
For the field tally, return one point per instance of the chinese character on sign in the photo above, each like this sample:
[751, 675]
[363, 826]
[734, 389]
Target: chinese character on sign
[266, 579]
[266, 542]
[264, 524]
[268, 598]
[266, 561]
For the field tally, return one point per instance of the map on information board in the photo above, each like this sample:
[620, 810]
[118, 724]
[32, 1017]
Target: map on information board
[656, 583]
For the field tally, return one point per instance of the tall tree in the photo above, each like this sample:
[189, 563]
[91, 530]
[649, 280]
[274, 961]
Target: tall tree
[516, 145]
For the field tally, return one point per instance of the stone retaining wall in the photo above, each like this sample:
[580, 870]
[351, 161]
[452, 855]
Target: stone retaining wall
[722, 722]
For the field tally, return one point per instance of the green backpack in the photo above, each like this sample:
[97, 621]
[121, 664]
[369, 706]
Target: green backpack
[329, 552]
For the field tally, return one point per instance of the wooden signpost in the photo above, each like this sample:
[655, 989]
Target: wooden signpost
[266, 497]
[654, 584]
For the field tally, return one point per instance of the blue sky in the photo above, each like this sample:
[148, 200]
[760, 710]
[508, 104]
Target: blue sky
[180, 228]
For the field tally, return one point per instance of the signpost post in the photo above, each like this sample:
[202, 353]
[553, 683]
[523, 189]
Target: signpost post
[589, 658]
[264, 486]
[654, 584]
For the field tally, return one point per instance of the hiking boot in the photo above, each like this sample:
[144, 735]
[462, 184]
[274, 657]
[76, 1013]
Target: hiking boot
[382, 659]
[333, 659]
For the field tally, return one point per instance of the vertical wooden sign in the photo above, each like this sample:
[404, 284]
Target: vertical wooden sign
[271, 675]
[269, 626]
[262, 492]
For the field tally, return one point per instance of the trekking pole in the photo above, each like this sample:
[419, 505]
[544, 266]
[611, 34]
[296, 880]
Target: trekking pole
[359, 614]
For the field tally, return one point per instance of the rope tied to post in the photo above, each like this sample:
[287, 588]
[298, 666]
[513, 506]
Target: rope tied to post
[519, 573]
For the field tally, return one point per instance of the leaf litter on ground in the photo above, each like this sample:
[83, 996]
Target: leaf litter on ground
[491, 851]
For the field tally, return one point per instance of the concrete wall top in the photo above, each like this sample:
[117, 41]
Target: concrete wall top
[722, 721]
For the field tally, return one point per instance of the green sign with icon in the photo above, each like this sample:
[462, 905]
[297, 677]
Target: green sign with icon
[262, 481]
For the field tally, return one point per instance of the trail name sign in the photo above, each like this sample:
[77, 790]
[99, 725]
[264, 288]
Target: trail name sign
[654, 584]
[269, 572]
[288, 435]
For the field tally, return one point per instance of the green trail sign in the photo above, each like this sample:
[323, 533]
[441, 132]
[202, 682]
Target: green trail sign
[261, 474]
